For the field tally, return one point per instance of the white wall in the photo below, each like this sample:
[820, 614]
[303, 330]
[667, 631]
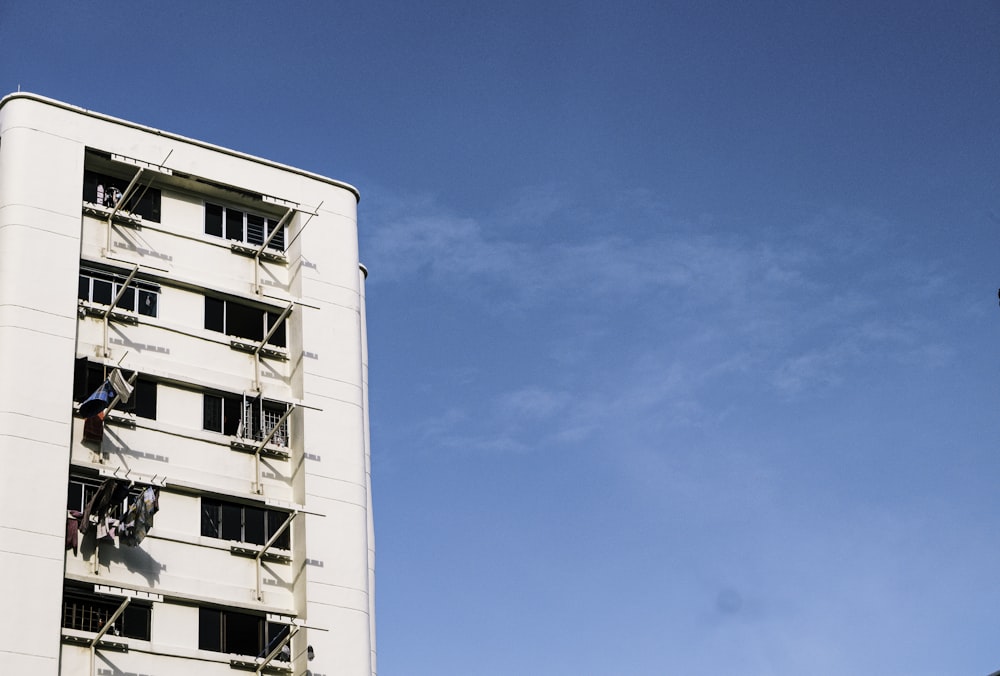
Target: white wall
[43, 236]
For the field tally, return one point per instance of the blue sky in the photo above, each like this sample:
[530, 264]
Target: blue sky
[682, 316]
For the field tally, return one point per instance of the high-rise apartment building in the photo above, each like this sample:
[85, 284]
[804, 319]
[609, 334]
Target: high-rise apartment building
[186, 482]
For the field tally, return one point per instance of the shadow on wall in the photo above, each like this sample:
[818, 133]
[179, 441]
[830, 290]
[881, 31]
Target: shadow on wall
[113, 445]
[135, 559]
[109, 668]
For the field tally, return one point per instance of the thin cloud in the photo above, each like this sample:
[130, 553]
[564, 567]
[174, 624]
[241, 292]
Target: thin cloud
[711, 310]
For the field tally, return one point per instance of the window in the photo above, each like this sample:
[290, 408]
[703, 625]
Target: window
[242, 523]
[86, 611]
[241, 226]
[99, 286]
[82, 490]
[242, 321]
[246, 417]
[106, 190]
[223, 414]
[88, 376]
[227, 631]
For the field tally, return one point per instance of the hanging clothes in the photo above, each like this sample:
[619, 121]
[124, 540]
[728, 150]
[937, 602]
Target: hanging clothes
[121, 386]
[93, 428]
[98, 401]
[112, 492]
[72, 530]
[139, 518]
[107, 529]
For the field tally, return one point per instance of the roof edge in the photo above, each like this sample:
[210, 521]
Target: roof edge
[177, 137]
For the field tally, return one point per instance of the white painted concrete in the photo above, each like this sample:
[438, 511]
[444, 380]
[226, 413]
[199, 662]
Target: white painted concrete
[45, 233]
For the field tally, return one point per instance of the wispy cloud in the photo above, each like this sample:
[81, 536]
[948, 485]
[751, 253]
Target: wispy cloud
[684, 311]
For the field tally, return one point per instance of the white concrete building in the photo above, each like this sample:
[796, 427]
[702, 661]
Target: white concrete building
[227, 290]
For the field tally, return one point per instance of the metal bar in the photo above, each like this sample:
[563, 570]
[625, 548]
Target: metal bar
[104, 630]
[274, 429]
[284, 314]
[276, 535]
[256, 257]
[264, 549]
[160, 165]
[292, 630]
[311, 214]
[299, 302]
[124, 288]
[131, 381]
[111, 620]
[276, 230]
[122, 200]
[256, 454]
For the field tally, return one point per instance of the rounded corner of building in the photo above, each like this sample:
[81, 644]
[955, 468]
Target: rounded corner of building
[344, 185]
[22, 99]
[23, 109]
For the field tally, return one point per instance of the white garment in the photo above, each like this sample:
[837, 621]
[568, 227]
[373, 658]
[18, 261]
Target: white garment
[120, 385]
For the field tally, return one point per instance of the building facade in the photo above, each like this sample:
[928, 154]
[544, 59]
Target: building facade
[183, 416]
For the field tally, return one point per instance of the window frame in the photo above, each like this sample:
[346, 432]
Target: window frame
[146, 201]
[223, 316]
[245, 417]
[88, 487]
[217, 516]
[234, 224]
[134, 294]
[89, 611]
[89, 375]
[224, 630]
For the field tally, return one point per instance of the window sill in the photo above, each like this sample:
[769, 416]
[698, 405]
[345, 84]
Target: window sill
[121, 217]
[250, 346]
[268, 254]
[251, 664]
[251, 551]
[270, 450]
[83, 638]
[89, 308]
[119, 418]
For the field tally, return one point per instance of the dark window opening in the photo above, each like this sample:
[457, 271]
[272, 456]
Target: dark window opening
[242, 321]
[81, 491]
[278, 338]
[88, 377]
[107, 190]
[222, 413]
[102, 292]
[243, 523]
[213, 220]
[227, 631]
[234, 224]
[245, 322]
[90, 612]
[143, 400]
[246, 417]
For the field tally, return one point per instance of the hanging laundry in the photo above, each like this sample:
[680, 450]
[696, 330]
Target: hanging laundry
[98, 401]
[93, 428]
[107, 529]
[112, 492]
[139, 518]
[121, 386]
[72, 530]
